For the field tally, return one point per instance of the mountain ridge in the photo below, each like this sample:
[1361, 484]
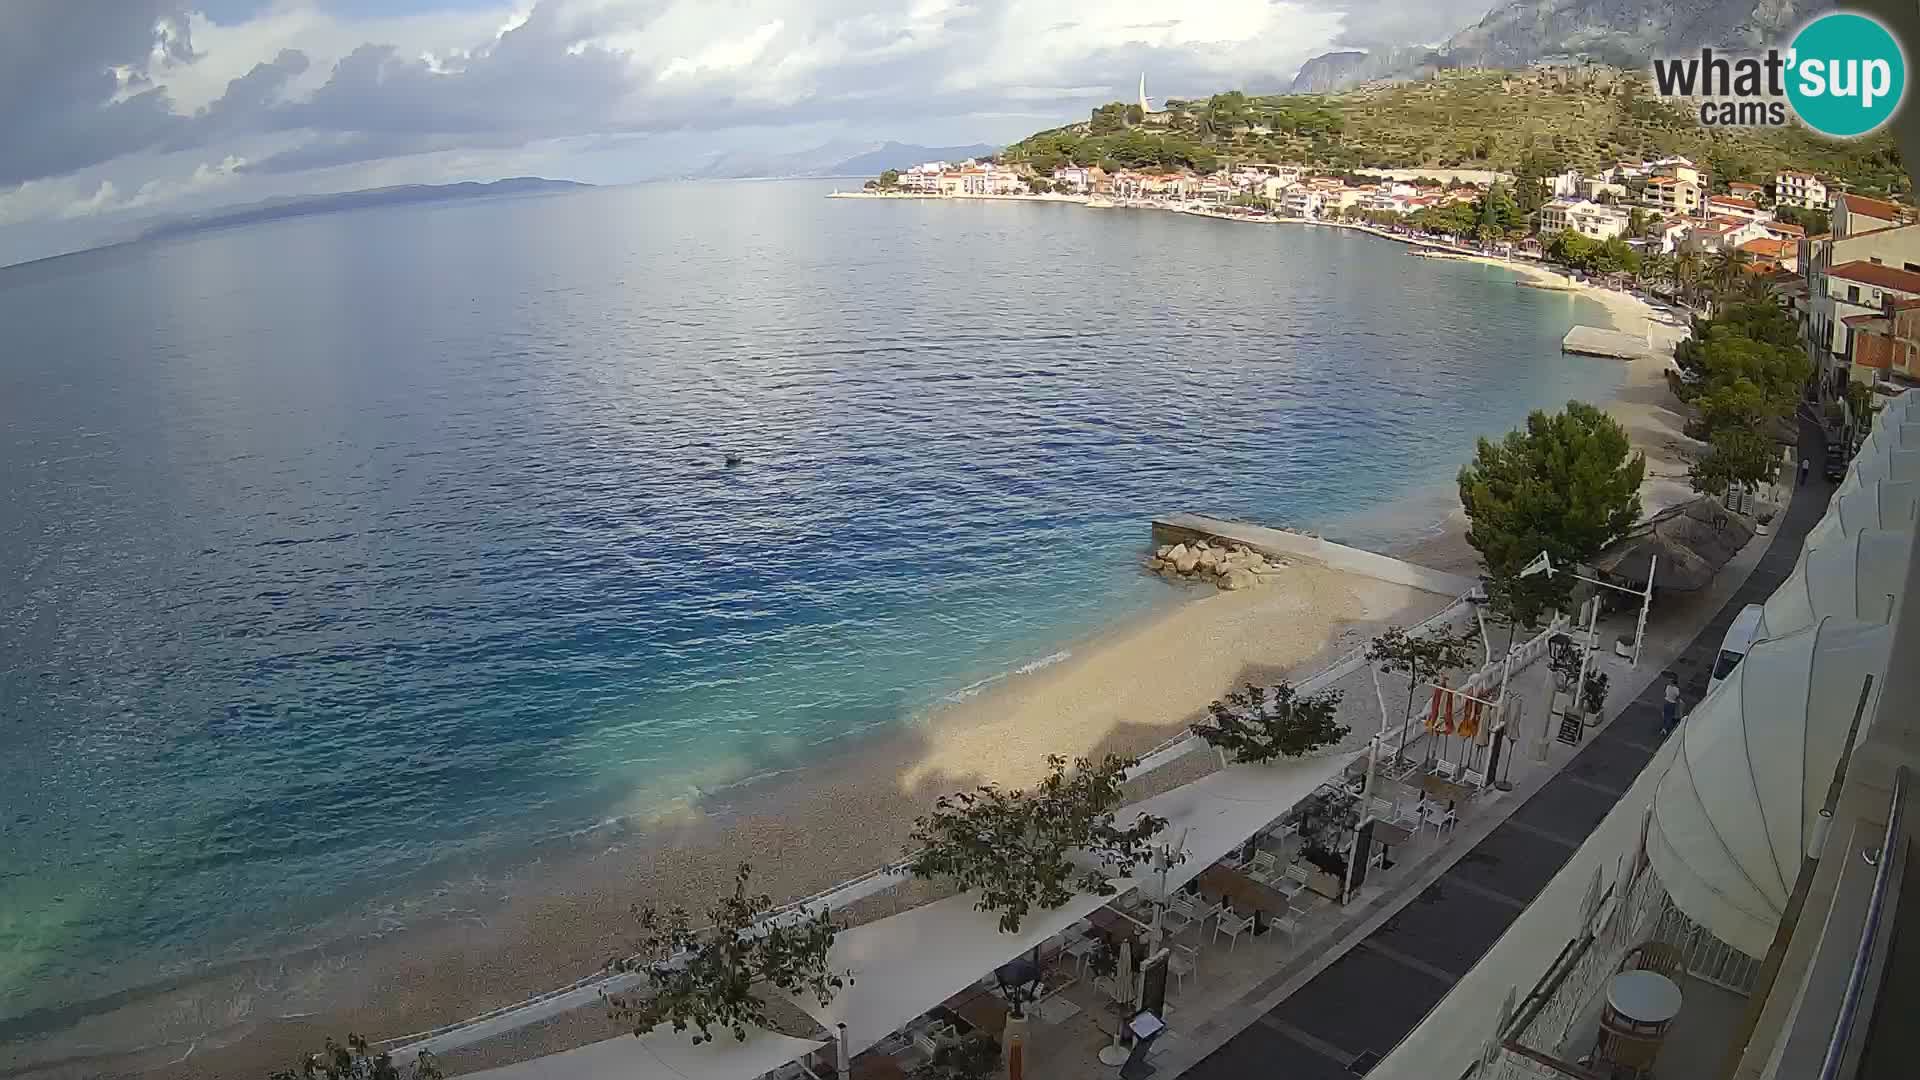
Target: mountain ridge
[1622, 33]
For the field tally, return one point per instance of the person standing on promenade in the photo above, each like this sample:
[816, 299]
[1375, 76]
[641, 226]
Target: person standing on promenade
[1805, 467]
[1670, 712]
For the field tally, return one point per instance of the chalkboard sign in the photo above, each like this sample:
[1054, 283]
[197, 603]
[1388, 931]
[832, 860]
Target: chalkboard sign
[1570, 728]
[1153, 993]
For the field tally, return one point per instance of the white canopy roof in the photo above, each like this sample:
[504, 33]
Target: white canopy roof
[1735, 810]
[664, 1054]
[908, 963]
[1851, 576]
[905, 964]
[1877, 504]
[1890, 452]
[1218, 812]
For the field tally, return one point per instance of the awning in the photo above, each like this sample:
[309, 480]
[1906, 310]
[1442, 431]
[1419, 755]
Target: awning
[908, 963]
[1876, 504]
[664, 1054]
[1853, 577]
[1217, 813]
[1736, 808]
[1891, 452]
[1692, 541]
[905, 964]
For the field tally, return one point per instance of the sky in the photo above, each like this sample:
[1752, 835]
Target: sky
[116, 112]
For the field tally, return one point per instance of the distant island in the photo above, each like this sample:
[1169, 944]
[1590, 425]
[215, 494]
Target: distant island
[307, 205]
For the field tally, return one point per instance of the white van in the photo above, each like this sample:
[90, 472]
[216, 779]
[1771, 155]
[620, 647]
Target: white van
[1735, 645]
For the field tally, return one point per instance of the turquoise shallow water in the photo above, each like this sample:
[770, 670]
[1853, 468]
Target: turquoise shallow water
[345, 554]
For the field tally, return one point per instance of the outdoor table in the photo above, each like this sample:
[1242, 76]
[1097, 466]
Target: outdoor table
[1647, 1000]
[1244, 893]
[1388, 835]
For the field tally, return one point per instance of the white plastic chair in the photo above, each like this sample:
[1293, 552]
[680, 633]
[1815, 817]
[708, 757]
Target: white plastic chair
[1081, 950]
[1231, 925]
[1265, 868]
[1180, 962]
[1444, 769]
[1294, 882]
[1383, 809]
[1288, 924]
[1475, 779]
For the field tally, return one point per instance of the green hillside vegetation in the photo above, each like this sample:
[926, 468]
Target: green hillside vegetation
[1463, 120]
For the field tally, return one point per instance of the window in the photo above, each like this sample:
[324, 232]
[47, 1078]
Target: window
[1724, 666]
[1915, 267]
[1875, 260]
[1853, 294]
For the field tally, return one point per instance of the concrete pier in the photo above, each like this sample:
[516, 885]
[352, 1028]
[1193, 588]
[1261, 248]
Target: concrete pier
[1593, 341]
[1182, 528]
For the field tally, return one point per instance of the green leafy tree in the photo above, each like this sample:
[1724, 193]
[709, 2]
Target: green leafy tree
[1568, 484]
[1742, 369]
[1734, 456]
[1258, 724]
[1013, 846]
[1420, 659]
[890, 178]
[353, 1062]
[711, 979]
[1727, 269]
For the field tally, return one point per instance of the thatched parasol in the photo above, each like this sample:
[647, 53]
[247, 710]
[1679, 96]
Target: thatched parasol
[1692, 541]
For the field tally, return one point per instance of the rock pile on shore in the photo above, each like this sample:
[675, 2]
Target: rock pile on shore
[1228, 566]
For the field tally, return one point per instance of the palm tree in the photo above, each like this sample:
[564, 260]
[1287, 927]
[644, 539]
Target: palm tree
[1728, 268]
[1655, 267]
[1687, 274]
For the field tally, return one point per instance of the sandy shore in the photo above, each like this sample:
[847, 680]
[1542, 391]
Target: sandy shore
[1124, 690]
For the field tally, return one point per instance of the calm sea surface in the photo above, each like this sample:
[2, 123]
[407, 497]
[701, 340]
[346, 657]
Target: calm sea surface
[339, 556]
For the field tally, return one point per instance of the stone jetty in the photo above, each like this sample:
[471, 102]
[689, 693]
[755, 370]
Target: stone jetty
[1229, 566]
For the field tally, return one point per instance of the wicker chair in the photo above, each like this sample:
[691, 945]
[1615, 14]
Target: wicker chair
[1655, 956]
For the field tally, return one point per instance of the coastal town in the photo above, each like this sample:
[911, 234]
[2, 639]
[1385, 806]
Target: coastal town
[1846, 265]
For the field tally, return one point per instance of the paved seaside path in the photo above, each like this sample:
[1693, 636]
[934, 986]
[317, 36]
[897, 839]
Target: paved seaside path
[1361, 1005]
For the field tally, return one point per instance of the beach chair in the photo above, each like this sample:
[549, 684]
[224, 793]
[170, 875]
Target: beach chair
[1231, 925]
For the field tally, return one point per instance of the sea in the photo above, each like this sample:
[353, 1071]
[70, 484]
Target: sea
[343, 557]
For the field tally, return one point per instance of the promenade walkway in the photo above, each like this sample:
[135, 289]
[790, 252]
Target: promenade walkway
[1345, 1017]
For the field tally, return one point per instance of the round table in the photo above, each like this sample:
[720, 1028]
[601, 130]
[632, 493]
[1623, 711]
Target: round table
[1644, 997]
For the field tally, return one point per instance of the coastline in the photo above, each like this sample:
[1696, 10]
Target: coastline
[1124, 688]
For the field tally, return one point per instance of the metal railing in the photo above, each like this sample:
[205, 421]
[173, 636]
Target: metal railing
[1839, 1044]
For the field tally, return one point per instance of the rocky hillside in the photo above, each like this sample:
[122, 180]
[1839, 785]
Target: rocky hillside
[1627, 33]
[1624, 32]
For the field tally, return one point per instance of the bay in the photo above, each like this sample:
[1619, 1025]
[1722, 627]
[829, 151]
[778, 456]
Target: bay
[345, 555]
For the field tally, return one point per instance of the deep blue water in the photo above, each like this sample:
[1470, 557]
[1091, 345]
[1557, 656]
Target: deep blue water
[343, 552]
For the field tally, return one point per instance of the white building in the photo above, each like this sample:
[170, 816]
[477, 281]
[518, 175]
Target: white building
[1589, 219]
[1301, 201]
[1802, 189]
[1735, 206]
[1566, 185]
[1075, 179]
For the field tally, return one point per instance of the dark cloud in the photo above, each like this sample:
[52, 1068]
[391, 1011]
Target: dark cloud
[57, 82]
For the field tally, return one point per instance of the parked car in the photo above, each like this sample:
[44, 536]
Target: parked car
[1733, 647]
